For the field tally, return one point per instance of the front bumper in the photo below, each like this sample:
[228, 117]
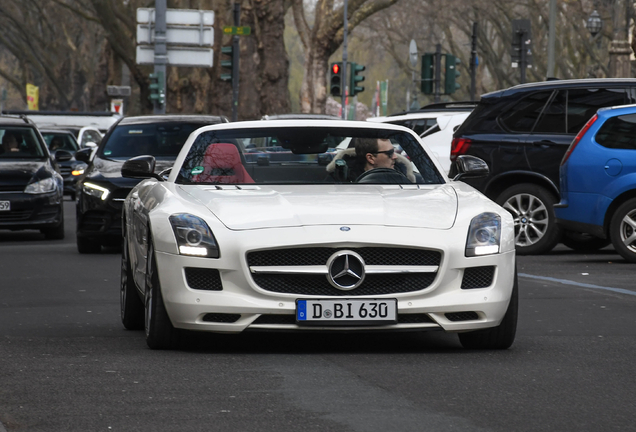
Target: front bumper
[31, 211]
[247, 306]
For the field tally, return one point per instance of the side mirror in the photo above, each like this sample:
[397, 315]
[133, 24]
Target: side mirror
[466, 166]
[140, 167]
[84, 155]
[62, 155]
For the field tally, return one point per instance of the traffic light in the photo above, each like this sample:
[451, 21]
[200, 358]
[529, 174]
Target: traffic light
[450, 73]
[335, 79]
[428, 69]
[157, 88]
[227, 64]
[355, 78]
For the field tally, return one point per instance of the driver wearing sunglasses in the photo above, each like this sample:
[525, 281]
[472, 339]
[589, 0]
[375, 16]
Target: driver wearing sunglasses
[377, 153]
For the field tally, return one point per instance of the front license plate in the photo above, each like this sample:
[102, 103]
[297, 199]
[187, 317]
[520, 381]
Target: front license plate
[346, 312]
[5, 205]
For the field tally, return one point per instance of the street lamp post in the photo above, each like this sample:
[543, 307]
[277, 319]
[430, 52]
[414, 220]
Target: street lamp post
[594, 23]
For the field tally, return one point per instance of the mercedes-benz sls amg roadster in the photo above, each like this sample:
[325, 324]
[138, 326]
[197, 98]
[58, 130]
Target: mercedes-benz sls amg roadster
[267, 226]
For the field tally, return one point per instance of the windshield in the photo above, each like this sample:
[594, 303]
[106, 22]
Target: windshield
[60, 141]
[161, 140]
[307, 155]
[20, 143]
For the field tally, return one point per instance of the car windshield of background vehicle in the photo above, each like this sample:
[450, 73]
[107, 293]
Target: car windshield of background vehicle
[301, 155]
[162, 140]
[618, 133]
[20, 143]
[60, 141]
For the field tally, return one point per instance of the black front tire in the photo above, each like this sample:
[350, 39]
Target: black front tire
[132, 308]
[531, 206]
[500, 337]
[160, 333]
[623, 230]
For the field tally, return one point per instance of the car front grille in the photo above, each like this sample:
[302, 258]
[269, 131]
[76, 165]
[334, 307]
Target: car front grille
[221, 317]
[302, 271]
[15, 216]
[320, 255]
[478, 277]
[65, 171]
[318, 285]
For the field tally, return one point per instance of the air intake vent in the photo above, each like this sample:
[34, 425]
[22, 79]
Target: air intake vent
[203, 279]
[462, 316]
[221, 317]
[478, 277]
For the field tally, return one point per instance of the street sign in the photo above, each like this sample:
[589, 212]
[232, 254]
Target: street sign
[178, 35]
[118, 90]
[413, 53]
[240, 31]
[177, 56]
[189, 37]
[178, 17]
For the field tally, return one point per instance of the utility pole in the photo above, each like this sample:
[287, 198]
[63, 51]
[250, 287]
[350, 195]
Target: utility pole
[161, 53]
[473, 63]
[551, 38]
[235, 63]
[438, 71]
[344, 64]
[619, 49]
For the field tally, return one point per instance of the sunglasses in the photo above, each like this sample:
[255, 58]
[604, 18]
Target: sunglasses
[388, 153]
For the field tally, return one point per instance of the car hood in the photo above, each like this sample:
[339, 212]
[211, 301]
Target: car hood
[19, 173]
[254, 207]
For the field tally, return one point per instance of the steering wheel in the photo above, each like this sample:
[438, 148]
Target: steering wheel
[383, 176]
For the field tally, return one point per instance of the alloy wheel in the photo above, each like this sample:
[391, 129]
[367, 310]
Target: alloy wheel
[530, 216]
[628, 230]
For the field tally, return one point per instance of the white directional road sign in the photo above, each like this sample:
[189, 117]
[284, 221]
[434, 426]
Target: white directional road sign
[189, 37]
[178, 17]
[177, 56]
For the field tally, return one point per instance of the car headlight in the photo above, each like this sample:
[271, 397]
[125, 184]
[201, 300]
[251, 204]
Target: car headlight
[484, 235]
[194, 237]
[41, 186]
[95, 191]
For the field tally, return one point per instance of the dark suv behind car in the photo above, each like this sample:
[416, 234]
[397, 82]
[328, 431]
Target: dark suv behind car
[522, 133]
[102, 189]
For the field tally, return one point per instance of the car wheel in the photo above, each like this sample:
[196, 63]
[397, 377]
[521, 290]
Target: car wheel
[500, 337]
[536, 231]
[623, 230]
[56, 233]
[132, 308]
[87, 246]
[583, 242]
[160, 334]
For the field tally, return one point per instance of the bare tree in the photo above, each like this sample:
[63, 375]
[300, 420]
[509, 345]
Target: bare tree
[322, 39]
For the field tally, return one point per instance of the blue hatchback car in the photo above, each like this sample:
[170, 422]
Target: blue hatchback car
[598, 180]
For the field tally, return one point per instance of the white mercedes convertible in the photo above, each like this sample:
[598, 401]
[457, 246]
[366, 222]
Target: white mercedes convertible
[266, 226]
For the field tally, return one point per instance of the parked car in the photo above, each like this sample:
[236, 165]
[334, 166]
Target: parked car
[102, 190]
[31, 187]
[425, 118]
[71, 169]
[439, 137]
[522, 133]
[598, 181]
[227, 245]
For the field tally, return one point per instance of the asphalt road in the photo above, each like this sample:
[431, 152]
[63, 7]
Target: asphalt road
[67, 364]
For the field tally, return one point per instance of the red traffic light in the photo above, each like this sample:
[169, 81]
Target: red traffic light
[335, 68]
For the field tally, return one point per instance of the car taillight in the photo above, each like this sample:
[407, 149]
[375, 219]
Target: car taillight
[578, 137]
[459, 146]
